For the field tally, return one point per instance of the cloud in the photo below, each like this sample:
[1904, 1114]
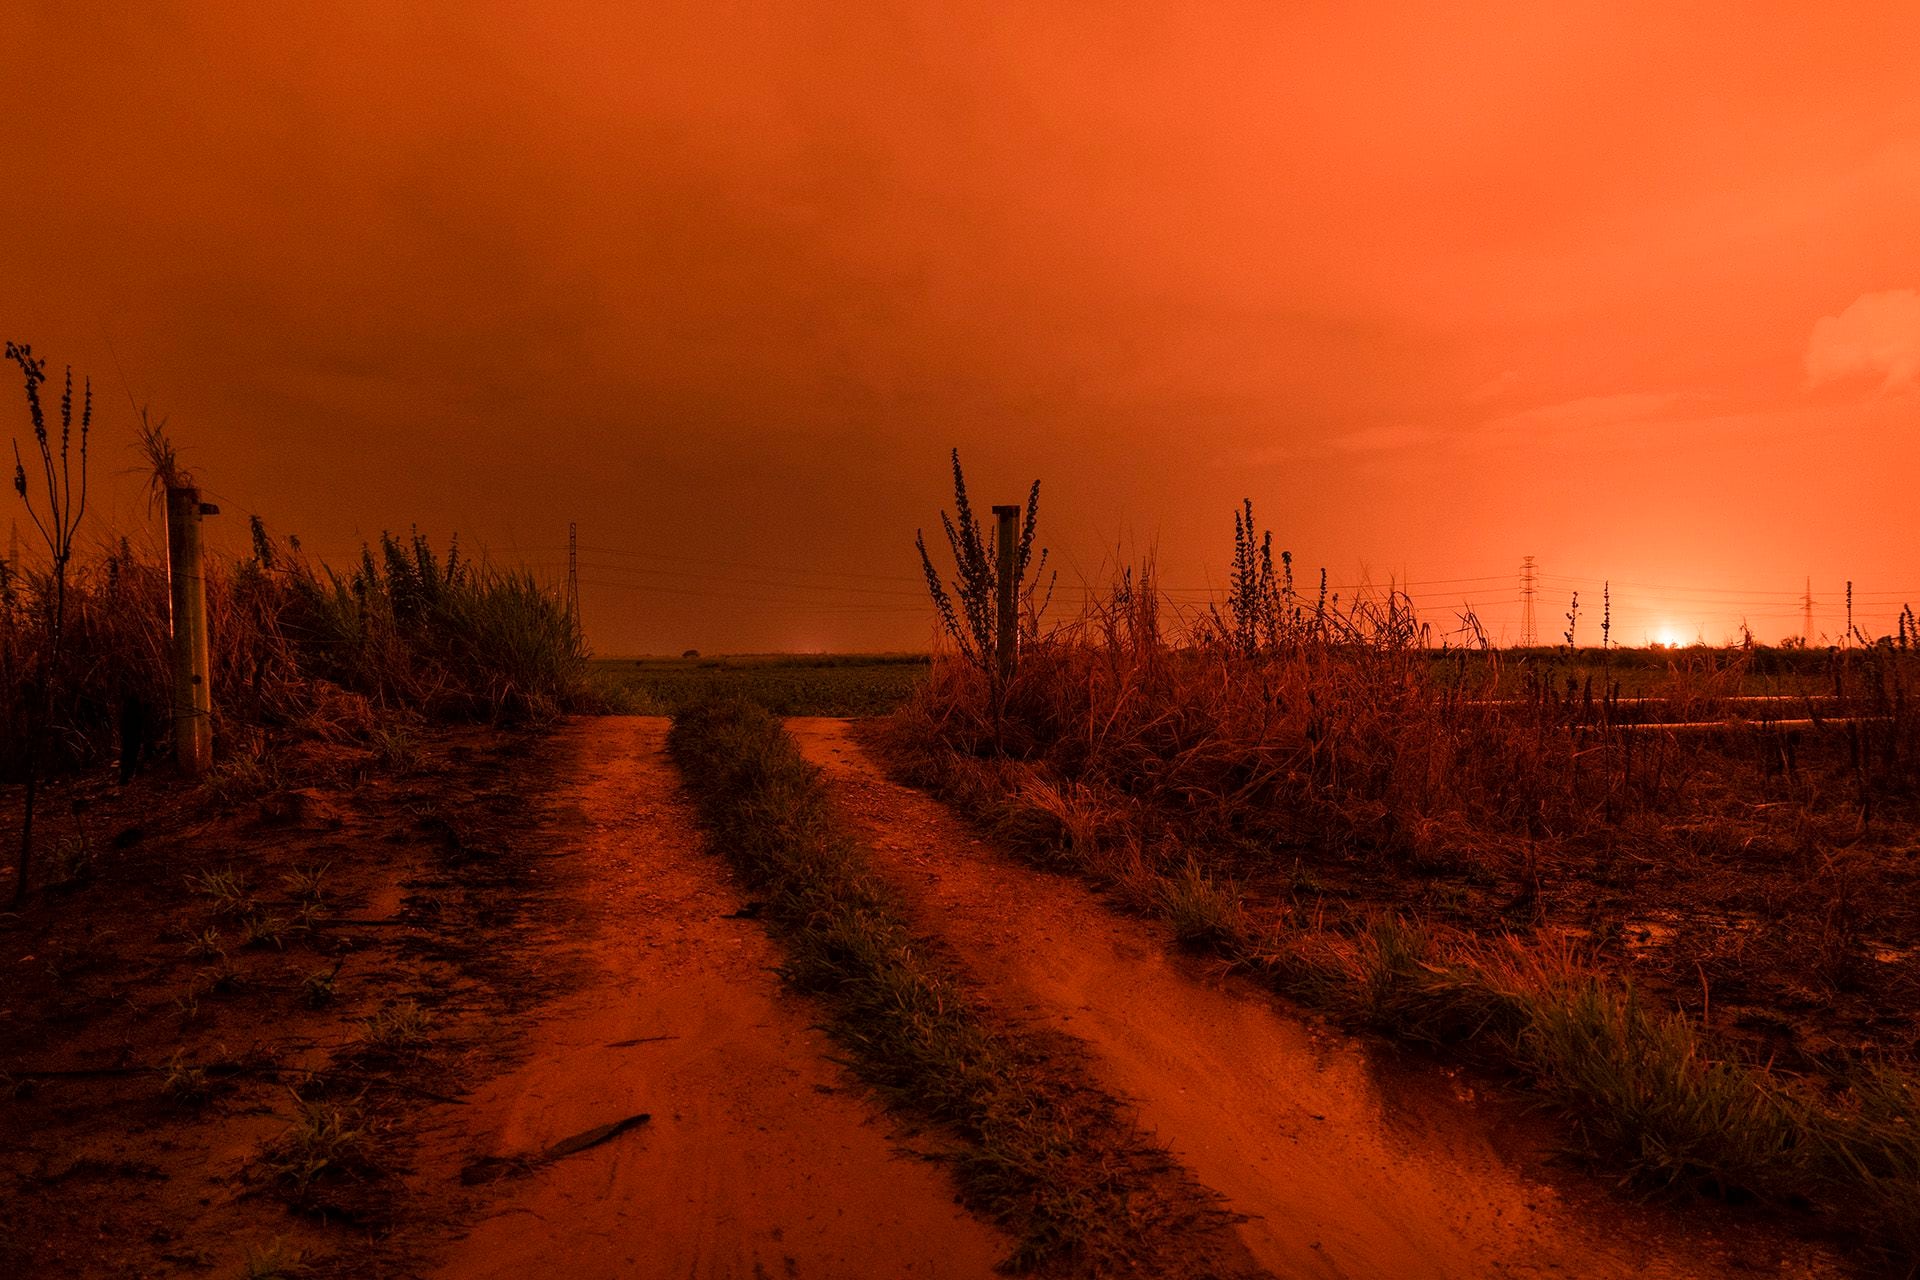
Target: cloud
[1878, 335]
[1587, 420]
[1497, 386]
[1571, 419]
[1589, 414]
[1378, 439]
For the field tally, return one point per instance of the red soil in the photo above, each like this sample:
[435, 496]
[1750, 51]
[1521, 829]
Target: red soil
[760, 1157]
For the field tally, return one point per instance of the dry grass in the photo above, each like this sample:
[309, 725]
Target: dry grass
[1456, 847]
[294, 645]
[398, 1031]
[327, 1140]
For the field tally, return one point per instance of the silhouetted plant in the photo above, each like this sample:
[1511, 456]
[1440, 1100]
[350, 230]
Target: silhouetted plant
[1263, 612]
[968, 613]
[65, 504]
[1254, 597]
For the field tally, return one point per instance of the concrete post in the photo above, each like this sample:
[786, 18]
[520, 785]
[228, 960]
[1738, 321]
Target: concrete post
[192, 669]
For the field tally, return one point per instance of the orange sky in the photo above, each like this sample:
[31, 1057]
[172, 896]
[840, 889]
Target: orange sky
[1630, 289]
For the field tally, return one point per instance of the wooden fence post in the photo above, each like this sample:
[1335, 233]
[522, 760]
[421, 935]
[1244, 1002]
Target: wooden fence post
[187, 604]
[1008, 624]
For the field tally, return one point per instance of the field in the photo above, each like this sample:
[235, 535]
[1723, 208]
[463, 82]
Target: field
[785, 684]
[1690, 918]
[1682, 681]
[1693, 673]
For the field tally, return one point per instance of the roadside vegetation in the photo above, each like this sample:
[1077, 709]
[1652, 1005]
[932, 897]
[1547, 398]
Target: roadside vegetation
[1035, 1150]
[295, 644]
[1702, 944]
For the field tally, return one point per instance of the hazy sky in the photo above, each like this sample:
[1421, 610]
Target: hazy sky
[1627, 288]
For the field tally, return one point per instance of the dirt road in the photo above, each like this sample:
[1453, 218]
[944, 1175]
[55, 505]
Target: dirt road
[582, 959]
[760, 1158]
[1345, 1165]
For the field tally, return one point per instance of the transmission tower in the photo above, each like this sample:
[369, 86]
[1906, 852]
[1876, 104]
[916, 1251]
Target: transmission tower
[1806, 617]
[1529, 637]
[573, 572]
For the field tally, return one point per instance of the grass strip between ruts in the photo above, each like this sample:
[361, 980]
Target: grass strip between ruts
[1036, 1150]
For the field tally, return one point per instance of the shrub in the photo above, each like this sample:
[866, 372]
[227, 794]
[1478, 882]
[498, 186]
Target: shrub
[293, 644]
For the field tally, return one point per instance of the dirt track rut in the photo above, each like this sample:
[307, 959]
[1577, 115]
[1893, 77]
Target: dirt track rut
[761, 1158]
[1345, 1166]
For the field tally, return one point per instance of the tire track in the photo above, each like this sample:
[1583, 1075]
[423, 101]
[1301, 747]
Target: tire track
[761, 1158]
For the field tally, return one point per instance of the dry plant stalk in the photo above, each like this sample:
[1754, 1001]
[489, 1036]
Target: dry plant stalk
[57, 519]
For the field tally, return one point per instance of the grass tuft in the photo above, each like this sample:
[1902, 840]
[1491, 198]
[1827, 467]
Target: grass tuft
[1205, 913]
[276, 1260]
[185, 1084]
[317, 987]
[327, 1140]
[226, 888]
[307, 884]
[398, 1030]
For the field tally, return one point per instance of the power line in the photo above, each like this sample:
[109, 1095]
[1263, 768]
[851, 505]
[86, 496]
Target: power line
[1794, 597]
[800, 588]
[758, 567]
[919, 581]
[845, 606]
[757, 582]
[918, 590]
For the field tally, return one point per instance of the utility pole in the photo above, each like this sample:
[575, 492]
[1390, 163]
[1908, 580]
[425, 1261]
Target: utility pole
[1529, 637]
[573, 573]
[187, 603]
[1806, 618]
[1008, 625]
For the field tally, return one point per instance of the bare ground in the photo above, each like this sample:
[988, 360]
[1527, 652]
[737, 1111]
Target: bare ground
[349, 933]
[545, 906]
[1346, 1162]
